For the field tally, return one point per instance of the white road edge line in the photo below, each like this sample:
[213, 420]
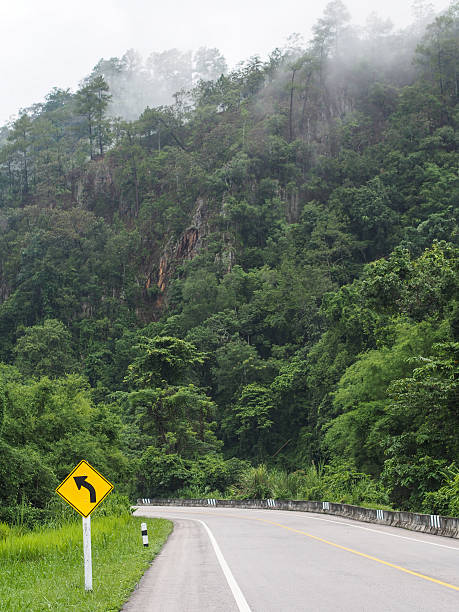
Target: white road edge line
[233, 585]
[391, 535]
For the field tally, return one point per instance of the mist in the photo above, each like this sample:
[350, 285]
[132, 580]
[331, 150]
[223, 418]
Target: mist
[136, 83]
[359, 56]
[59, 45]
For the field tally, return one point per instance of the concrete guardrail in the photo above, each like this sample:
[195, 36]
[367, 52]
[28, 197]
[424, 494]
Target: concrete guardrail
[428, 523]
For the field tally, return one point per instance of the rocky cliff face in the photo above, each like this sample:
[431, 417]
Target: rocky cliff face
[187, 247]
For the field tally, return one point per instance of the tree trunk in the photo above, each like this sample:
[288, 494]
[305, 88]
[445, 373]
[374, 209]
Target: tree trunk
[91, 136]
[290, 118]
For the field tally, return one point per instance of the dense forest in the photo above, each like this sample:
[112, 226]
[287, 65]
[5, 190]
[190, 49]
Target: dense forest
[245, 284]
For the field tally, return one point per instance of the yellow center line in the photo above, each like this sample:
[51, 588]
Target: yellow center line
[340, 546]
[360, 554]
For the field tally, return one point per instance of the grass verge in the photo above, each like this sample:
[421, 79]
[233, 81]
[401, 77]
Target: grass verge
[44, 570]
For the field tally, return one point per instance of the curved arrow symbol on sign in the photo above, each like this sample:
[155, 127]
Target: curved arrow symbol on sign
[81, 482]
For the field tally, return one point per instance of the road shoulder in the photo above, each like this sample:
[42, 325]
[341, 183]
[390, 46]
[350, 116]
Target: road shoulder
[184, 577]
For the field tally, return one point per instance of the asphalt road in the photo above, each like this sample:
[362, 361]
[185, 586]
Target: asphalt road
[220, 559]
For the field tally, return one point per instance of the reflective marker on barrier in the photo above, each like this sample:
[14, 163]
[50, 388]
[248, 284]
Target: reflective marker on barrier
[435, 520]
[439, 525]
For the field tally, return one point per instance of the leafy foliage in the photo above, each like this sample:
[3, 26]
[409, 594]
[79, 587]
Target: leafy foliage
[219, 293]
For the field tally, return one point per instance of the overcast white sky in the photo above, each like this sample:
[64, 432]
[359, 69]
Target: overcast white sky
[48, 43]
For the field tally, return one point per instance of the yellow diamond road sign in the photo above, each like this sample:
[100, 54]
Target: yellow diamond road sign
[84, 488]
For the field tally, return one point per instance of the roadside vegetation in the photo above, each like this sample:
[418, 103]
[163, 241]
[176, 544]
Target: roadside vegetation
[43, 569]
[335, 482]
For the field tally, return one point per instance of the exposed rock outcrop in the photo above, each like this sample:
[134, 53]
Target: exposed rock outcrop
[185, 248]
[162, 275]
[95, 189]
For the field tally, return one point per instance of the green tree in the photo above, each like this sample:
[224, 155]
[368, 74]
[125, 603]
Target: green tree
[439, 54]
[161, 361]
[362, 398]
[21, 143]
[178, 419]
[252, 414]
[92, 101]
[423, 423]
[45, 350]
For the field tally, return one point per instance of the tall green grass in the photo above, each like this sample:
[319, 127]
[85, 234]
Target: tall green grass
[43, 570]
[335, 482]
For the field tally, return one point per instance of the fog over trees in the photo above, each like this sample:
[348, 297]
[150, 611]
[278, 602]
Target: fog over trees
[136, 83]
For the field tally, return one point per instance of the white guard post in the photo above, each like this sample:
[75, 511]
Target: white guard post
[87, 553]
[143, 527]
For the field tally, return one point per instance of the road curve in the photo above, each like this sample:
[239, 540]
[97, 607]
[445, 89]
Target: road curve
[228, 559]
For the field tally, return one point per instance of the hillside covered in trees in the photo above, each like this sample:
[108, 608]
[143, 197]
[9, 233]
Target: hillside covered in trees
[250, 291]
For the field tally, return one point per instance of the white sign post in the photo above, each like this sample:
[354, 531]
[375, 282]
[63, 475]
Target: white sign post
[87, 553]
[84, 489]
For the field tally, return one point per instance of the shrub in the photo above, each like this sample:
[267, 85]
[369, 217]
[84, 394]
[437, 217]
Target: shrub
[337, 482]
[254, 483]
[161, 473]
[445, 501]
[212, 472]
[5, 531]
